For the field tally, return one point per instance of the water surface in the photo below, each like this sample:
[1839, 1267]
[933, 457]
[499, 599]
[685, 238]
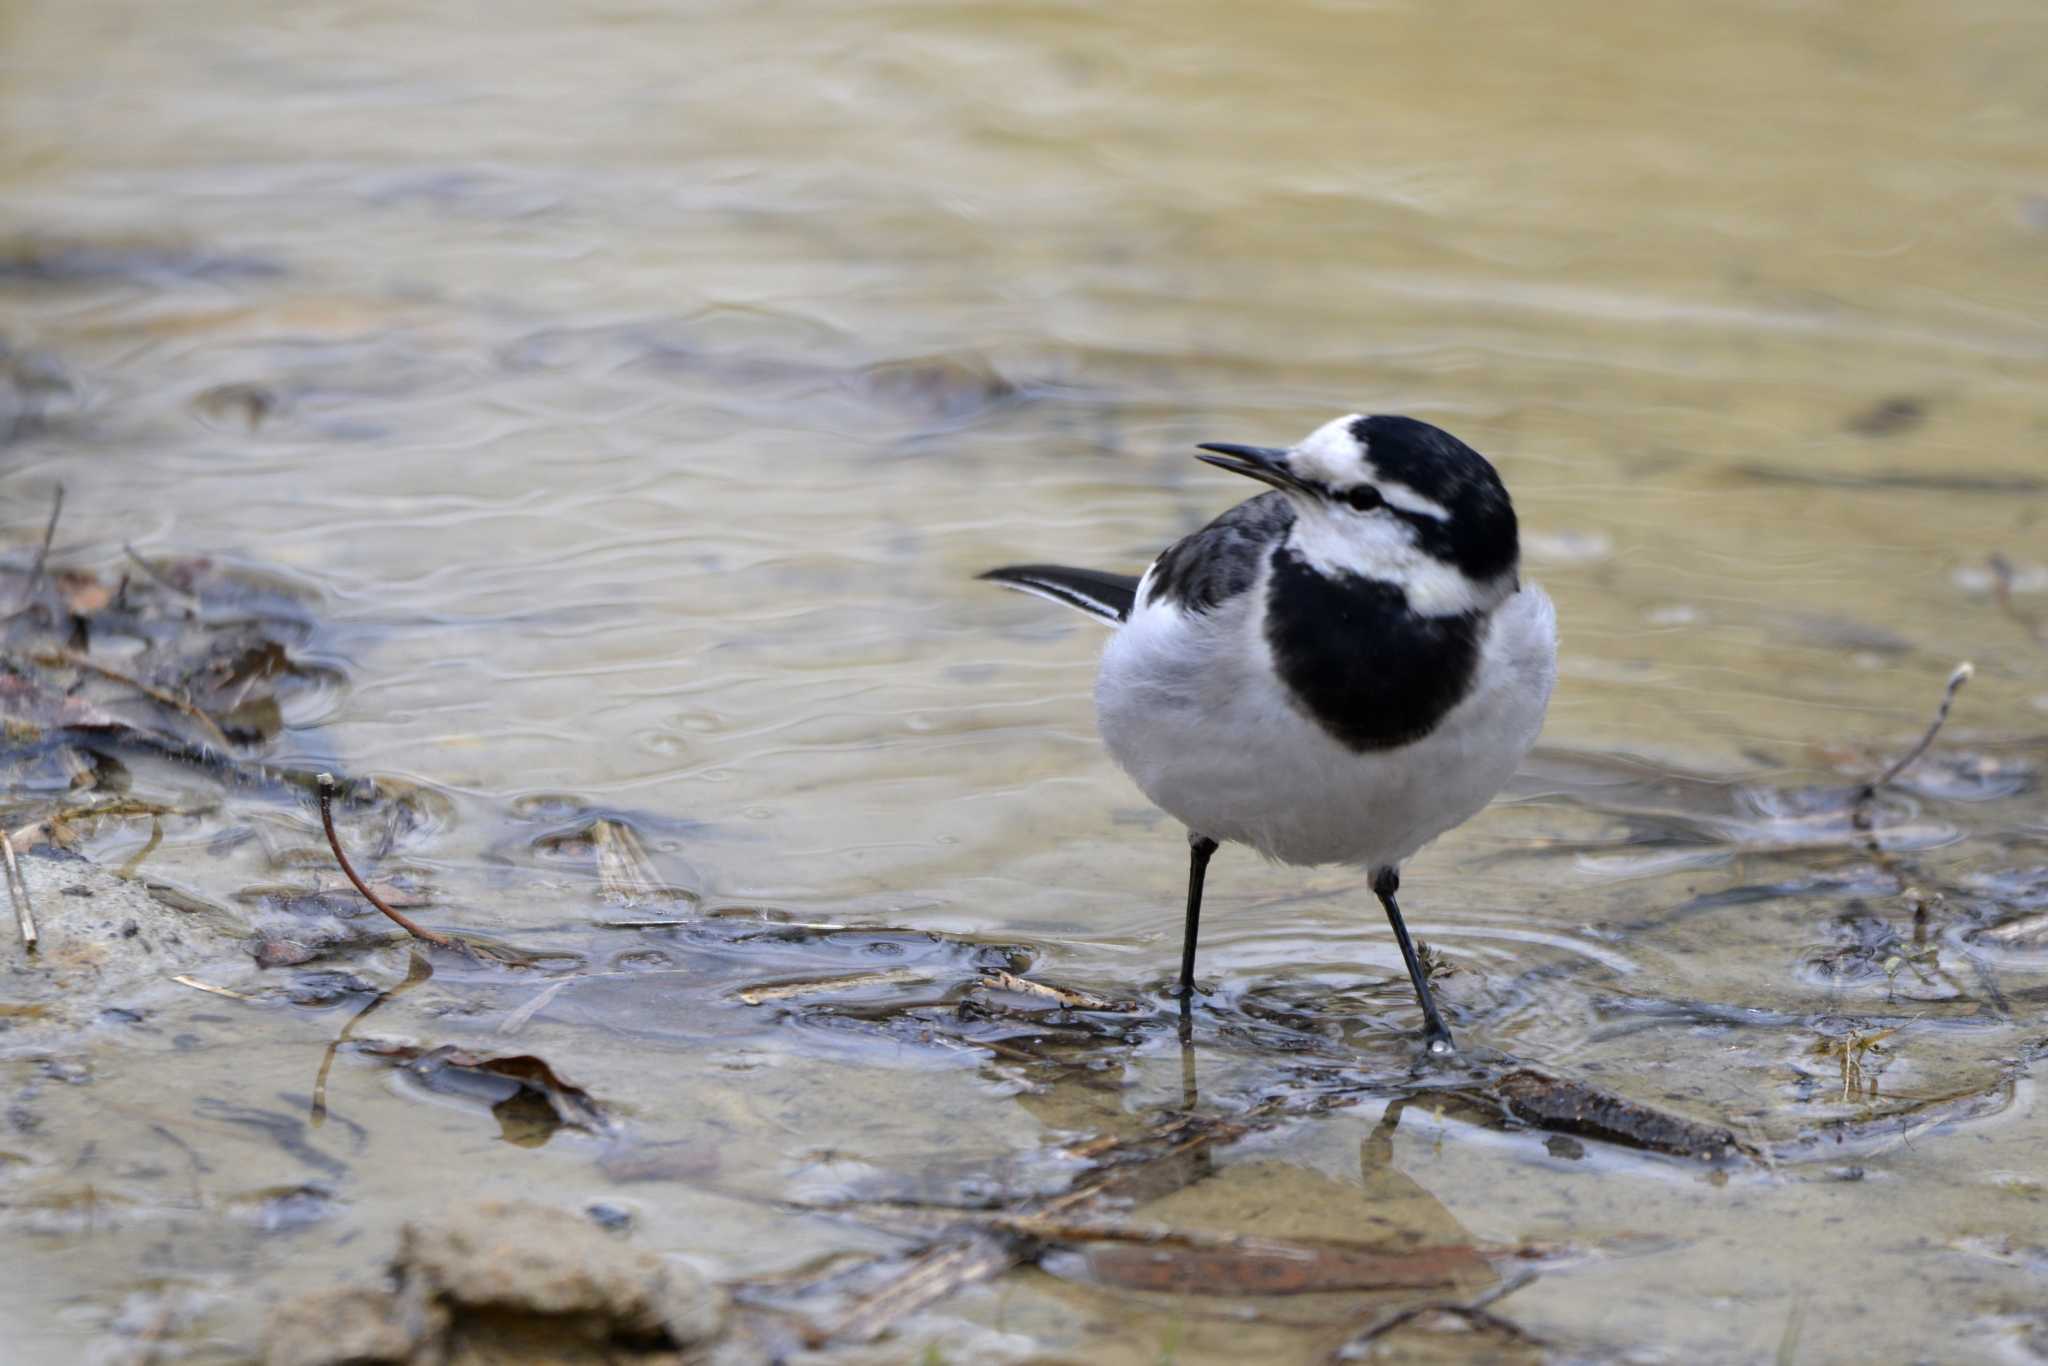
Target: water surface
[636, 393]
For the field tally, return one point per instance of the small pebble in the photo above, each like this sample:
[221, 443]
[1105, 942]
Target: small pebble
[283, 953]
[611, 1218]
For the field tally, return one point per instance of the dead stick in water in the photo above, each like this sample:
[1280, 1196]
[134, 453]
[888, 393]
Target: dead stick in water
[1473, 1311]
[1960, 676]
[17, 892]
[416, 972]
[1066, 997]
[327, 789]
[2001, 579]
[157, 576]
[35, 570]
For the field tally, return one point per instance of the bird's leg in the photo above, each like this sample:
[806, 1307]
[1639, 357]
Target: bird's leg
[1199, 849]
[1435, 1035]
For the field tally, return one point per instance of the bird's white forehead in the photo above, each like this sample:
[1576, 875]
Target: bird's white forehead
[1333, 456]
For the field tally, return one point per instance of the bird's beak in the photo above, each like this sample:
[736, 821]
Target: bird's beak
[1267, 464]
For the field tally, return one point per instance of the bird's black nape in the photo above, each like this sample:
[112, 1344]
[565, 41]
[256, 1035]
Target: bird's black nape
[1104, 596]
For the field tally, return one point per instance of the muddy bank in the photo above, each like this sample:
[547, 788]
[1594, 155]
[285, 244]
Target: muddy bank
[510, 1283]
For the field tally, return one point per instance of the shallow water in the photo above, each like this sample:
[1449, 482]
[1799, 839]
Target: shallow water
[635, 395]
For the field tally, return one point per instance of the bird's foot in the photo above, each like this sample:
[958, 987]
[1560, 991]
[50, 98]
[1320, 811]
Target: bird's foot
[1437, 1050]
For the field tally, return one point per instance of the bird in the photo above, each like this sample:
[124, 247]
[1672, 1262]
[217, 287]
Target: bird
[1334, 671]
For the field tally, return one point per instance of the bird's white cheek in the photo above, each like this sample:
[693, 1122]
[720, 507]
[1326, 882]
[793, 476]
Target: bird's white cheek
[1378, 547]
[1438, 590]
[1332, 548]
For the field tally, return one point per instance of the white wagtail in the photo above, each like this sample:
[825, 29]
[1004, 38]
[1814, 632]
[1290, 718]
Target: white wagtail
[1338, 671]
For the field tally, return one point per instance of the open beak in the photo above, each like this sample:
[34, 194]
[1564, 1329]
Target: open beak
[1267, 464]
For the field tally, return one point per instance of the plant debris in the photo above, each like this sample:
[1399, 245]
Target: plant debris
[73, 660]
[183, 979]
[528, 1096]
[624, 872]
[1850, 1051]
[610, 842]
[1085, 1231]
[1475, 1312]
[2022, 931]
[328, 787]
[1189, 1264]
[17, 894]
[1271, 1267]
[1868, 1134]
[35, 568]
[1066, 998]
[211, 651]
[2002, 576]
[790, 991]
[1960, 675]
[1564, 1106]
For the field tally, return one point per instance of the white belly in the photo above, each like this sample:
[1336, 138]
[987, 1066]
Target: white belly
[1190, 707]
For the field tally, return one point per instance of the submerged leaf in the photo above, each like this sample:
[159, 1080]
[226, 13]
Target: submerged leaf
[529, 1097]
[1566, 1106]
[1256, 1266]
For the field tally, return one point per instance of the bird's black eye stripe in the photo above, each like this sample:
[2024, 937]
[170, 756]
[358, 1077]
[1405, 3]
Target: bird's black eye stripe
[1364, 498]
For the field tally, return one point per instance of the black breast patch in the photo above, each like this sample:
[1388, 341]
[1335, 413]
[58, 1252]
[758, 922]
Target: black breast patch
[1369, 671]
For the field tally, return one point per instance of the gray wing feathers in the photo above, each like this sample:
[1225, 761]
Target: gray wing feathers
[1221, 560]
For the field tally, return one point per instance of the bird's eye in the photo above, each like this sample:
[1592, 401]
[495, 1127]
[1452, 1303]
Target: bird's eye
[1364, 498]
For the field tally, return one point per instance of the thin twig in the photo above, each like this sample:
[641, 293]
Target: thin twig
[170, 699]
[1066, 997]
[1788, 1341]
[1473, 1311]
[35, 832]
[517, 1020]
[198, 985]
[931, 1275]
[2001, 579]
[787, 991]
[17, 892]
[35, 569]
[1960, 676]
[126, 872]
[974, 1254]
[56, 827]
[157, 576]
[417, 971]
[1084, 1228]
[327, 789]
[2015, 931]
